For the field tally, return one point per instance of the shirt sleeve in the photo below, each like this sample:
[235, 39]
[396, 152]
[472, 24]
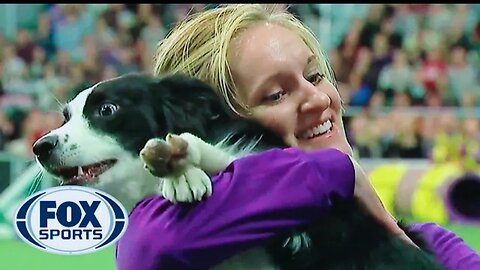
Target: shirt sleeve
[254, 198]
[449, 249]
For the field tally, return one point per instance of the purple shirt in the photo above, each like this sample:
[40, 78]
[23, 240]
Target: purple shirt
[252, 200]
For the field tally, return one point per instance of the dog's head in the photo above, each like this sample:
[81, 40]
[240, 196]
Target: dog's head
[108, 124]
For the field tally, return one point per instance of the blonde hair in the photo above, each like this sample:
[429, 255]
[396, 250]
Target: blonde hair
[200, 45]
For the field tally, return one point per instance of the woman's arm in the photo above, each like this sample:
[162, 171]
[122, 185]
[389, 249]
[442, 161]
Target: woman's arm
[253, 199]
[449, 249]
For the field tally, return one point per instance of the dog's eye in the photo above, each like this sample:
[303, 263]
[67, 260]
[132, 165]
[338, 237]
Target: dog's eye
[107, 109]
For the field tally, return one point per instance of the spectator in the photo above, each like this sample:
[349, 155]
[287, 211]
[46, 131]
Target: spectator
[396, 77]
[372, 24]
[361, 92]
[347, 53]
[433, 74]
[63, 63]
[24, 45]
[13, 68]
[152, 33]
[104, 34]
[447, 138]
[407, 139]
[470, 146]
[7, 130]
[109, 72]
[368, 134]
[462, 78]
[385, 57]
[47, 87]
[380, 58]
[70, 25]
[43, 36]
[440, 17]
[126, 62]
[37, 66]
[387, 28]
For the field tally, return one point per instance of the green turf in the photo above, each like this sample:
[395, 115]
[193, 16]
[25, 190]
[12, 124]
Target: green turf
[471, 234]
[16, 255]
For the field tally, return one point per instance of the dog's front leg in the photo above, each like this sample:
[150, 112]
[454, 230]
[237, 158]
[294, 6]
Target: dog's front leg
[184, 162]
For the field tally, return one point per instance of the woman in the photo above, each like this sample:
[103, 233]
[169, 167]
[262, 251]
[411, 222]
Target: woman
[268, 66]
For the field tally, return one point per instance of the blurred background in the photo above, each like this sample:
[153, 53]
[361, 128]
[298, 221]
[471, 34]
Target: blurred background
[408, 74]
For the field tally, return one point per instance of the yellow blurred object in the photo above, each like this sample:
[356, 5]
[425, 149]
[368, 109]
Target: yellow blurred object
[446, 147]
[385, 179]
[469, 150]
[427, 202]
[418, 193]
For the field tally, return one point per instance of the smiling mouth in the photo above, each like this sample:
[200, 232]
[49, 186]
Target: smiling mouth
[317, 131]
[80, 175]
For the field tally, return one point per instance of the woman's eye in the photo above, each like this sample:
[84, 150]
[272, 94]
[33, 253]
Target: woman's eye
[107, 109]
[274, 97]
[315, 78]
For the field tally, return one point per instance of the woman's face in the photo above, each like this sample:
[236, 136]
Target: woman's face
[278, 77]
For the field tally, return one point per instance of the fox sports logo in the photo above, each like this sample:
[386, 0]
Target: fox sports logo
[70, 220]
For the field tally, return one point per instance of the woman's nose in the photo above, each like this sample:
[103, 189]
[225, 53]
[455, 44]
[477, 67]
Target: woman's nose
[314, 99]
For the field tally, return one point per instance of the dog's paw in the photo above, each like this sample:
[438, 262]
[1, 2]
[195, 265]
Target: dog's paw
[176, 160]
[193, 185]
[165, 157]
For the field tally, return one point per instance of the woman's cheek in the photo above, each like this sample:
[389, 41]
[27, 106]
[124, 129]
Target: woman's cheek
[272, 118]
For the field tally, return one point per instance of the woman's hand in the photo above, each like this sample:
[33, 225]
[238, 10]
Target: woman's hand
[367, 196]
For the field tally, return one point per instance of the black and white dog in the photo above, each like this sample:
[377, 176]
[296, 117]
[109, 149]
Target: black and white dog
[111, 140]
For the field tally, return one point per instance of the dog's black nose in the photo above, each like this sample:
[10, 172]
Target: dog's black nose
[43, 147]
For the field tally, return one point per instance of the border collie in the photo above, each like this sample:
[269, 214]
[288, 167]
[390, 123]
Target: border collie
[113, 133]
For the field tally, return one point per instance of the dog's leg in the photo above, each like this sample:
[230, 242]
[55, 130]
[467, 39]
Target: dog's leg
[183, 161]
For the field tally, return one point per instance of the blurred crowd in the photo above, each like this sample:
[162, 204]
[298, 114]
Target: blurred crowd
[391, 61]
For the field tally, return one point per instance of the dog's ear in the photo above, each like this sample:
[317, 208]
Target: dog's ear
[186, 104]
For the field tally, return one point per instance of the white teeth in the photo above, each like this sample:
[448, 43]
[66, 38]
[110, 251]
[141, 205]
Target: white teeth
[80, 170]
[318, 130]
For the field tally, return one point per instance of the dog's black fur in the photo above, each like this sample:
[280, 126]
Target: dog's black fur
[153, 107]
[346, 238]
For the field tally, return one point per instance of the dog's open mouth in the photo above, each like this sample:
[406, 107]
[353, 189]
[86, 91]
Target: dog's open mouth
[80, 175]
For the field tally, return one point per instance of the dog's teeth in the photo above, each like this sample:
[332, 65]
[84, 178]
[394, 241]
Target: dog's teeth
[80, 170]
